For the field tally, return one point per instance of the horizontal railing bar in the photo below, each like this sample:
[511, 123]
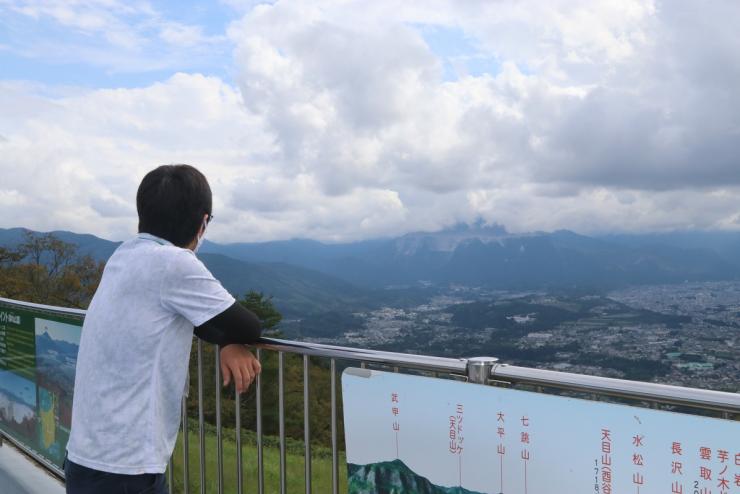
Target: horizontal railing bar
[621, 387]
[422, 362]
[701, 398]
[664, 393]
[52, 308]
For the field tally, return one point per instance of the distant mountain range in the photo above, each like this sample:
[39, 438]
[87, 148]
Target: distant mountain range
[393, 477]
[490, 256]
[307, 276]
[45, 344]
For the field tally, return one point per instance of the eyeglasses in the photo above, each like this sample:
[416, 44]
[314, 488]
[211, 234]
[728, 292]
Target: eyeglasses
[209, 219]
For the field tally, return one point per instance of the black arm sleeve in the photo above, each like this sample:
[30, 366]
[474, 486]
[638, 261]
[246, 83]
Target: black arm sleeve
[234, 325]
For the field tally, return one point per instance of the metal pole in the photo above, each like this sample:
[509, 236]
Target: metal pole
[219, 431]
[281, 420]
[201, 429]
[170, 474]
[260, 457]
[185, 447]
[307, 420]
[334, 455]
[238, 413]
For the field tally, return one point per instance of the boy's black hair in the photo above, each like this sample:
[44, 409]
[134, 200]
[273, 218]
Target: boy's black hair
[171, 202]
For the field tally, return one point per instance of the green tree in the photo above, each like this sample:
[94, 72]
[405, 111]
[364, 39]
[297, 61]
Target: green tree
[11, 286]
[265, 311]
[47, 270]
[9, 257]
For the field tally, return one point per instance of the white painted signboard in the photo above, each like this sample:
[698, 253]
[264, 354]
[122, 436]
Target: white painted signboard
[422, 435]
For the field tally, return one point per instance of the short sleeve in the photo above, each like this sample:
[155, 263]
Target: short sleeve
[189, 289]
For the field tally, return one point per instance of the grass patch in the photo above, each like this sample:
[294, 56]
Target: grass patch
[320, 464]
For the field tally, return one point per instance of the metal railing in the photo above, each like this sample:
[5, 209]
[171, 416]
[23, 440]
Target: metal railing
[480, 370]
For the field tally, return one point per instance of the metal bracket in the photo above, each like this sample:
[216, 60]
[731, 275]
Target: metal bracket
[479, 369]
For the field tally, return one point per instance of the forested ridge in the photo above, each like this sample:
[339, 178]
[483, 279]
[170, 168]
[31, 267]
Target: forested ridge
[46, 270]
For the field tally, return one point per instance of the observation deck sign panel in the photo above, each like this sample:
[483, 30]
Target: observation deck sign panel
[38, 354]
[411, 434]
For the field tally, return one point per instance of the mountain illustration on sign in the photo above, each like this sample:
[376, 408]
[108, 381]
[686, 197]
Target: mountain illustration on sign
[393, 477]
[45, 343]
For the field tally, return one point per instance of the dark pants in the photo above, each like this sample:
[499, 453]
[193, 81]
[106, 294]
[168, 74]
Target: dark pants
[83, 480]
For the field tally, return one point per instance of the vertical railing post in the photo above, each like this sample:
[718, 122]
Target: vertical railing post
[260, 456]
[170, 474]
[219, 431]
[334, 453]
[238, 417]
[185, 444]
[479, 369]
[307, 420]
[281, 421]
[201, 426]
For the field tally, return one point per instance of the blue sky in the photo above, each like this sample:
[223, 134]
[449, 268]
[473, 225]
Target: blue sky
[346, 120]
[59, 331]
[20, 387]
[48, 48]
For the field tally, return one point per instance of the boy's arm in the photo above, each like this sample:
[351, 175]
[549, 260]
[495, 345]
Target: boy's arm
[234, 325]
[240, 365]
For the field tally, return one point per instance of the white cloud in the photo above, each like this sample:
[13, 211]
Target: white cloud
[76, 161]
[584, 100]
[344, 123]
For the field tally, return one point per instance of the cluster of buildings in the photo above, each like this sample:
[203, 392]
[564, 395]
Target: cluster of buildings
[701, 351]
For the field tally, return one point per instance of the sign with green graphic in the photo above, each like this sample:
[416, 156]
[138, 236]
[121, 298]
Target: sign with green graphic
[419, 435]
[38, 354]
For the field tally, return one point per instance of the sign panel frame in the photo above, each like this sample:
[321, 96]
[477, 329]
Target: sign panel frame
[448, 437]
[38, 356]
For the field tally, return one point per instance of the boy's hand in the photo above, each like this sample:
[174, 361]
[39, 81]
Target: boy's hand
[239, 364]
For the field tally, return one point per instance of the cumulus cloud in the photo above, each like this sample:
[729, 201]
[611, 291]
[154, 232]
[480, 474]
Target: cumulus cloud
[588, 96]
[352, 120]
[75, 162]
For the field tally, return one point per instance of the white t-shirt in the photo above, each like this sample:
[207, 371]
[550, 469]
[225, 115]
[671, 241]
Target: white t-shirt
[134, 354]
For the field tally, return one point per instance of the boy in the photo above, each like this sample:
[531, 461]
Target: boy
[137, 336]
